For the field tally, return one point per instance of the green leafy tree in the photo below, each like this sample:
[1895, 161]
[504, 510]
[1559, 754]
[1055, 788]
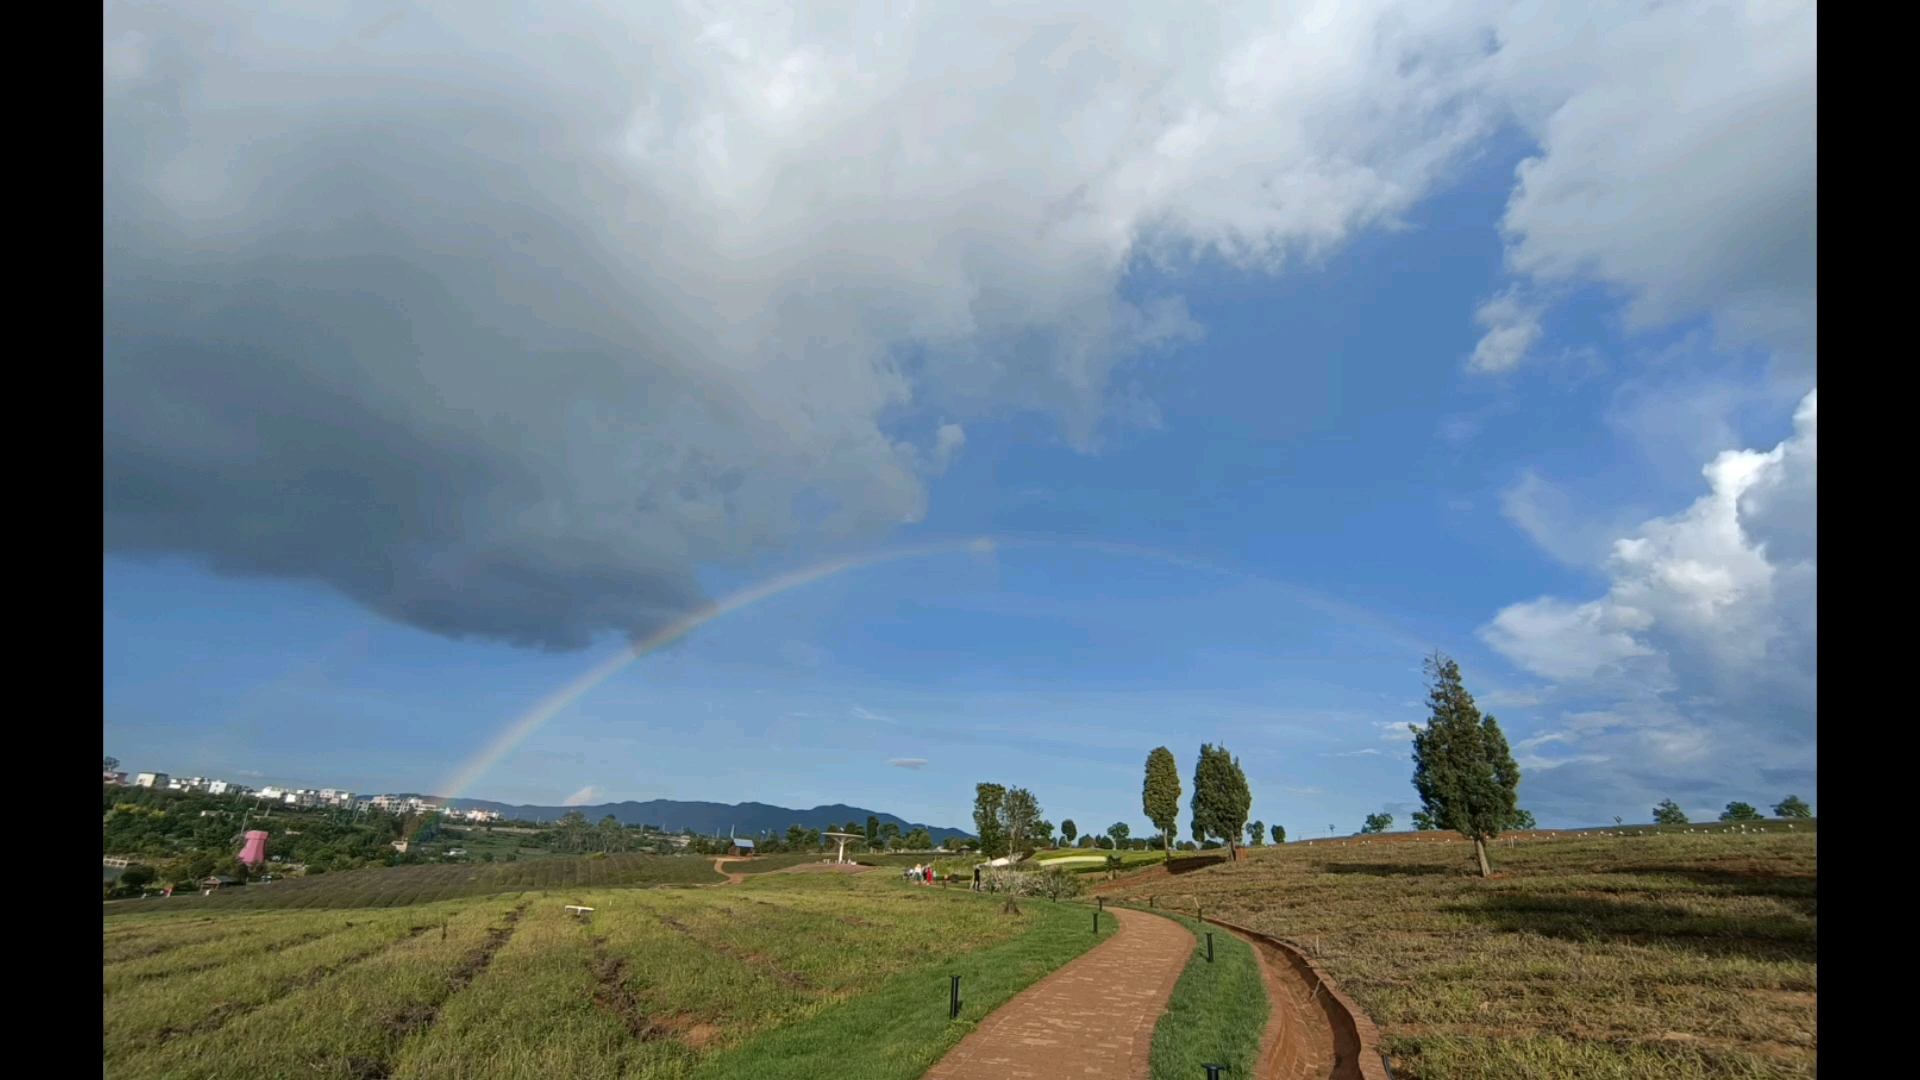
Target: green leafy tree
[1220, 798]
[1792, 807]
[1160, 797]
[1256, 834]
[1377, 823]
[796, 837]
[1068, 830]
[1739, 811]
[1043, 832]
[889, 835]
[1669, 813]
[1119, 831]
[1462, 767]
[987, 802]
[1523, 819]
[918, 840]
[1423, 821]
[1019, 819]
[873, 830]
[109, 764]
[1279, 835]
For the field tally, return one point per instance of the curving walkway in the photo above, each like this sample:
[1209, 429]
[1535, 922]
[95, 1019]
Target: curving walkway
[1092, 1018]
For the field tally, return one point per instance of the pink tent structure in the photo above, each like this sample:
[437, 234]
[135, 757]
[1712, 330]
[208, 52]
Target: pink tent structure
[255, 853]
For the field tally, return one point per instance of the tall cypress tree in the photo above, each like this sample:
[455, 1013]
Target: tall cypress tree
[1160, 797]
[1462, 768]
[1220, 798]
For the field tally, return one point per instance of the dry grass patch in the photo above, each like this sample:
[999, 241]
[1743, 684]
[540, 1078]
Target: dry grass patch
[1668, 955]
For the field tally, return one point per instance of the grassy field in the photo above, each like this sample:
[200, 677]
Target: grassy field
[1634, 955]
[1082, 861]
[795, 975]
[1218, 1011]
[400, 886]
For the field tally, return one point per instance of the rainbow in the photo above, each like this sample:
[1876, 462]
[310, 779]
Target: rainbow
[470, 771]
[529, 722]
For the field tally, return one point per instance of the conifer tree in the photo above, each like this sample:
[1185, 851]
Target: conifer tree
[1160, 797]
[1220, 798]
[1462, 768]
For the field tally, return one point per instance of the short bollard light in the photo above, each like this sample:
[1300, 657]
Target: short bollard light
[953, 1001]
[1209, 946]
[1214, 1071]
[1096, 922]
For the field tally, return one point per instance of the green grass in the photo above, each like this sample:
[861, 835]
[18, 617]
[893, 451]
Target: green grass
[1218, 1012]
[399, 886]
[901, 1028]
[1668, 954]
[779, 976]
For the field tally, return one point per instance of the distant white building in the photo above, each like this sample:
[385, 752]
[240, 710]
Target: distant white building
[151, 780]
[273, 794]
[218, 787]
[118, 779]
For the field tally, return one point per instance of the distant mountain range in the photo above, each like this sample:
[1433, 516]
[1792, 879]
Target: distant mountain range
[710, 818]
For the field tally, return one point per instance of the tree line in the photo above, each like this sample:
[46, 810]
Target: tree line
[1791, 808]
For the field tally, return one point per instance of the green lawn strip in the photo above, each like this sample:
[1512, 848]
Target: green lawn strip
[680, 979]
[845, 935]
[247, 940]
[140, 941]
[548, 1006]
[1218, 1013]
[398, 886]
[142, 1016]
[349, 1024]
[901, 1028]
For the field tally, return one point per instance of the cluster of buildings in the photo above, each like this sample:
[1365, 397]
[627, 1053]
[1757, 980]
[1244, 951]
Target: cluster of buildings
[313, 798]
[414, 804]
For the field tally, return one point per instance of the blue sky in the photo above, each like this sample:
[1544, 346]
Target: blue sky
[408, 425]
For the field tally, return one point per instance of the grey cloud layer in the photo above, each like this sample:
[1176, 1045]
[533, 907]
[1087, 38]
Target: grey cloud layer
[504, 328]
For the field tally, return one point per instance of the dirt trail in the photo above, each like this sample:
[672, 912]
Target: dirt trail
[1316, 1032]
[1093, 1017]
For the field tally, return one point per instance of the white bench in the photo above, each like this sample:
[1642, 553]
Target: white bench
[577, 909]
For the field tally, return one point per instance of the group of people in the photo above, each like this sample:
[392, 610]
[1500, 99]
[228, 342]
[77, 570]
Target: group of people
[919, 875]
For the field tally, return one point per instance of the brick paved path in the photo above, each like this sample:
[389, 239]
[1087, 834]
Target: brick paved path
[1092, 1018]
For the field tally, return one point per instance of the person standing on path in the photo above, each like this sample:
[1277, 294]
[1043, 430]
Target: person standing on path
[976, 877]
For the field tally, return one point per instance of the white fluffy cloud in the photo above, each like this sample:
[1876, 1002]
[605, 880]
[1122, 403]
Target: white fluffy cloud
[1677, 161]
[1512, 325]
[500, 325]
[1699, 665]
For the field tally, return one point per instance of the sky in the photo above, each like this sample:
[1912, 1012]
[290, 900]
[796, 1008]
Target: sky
[1164, 379]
